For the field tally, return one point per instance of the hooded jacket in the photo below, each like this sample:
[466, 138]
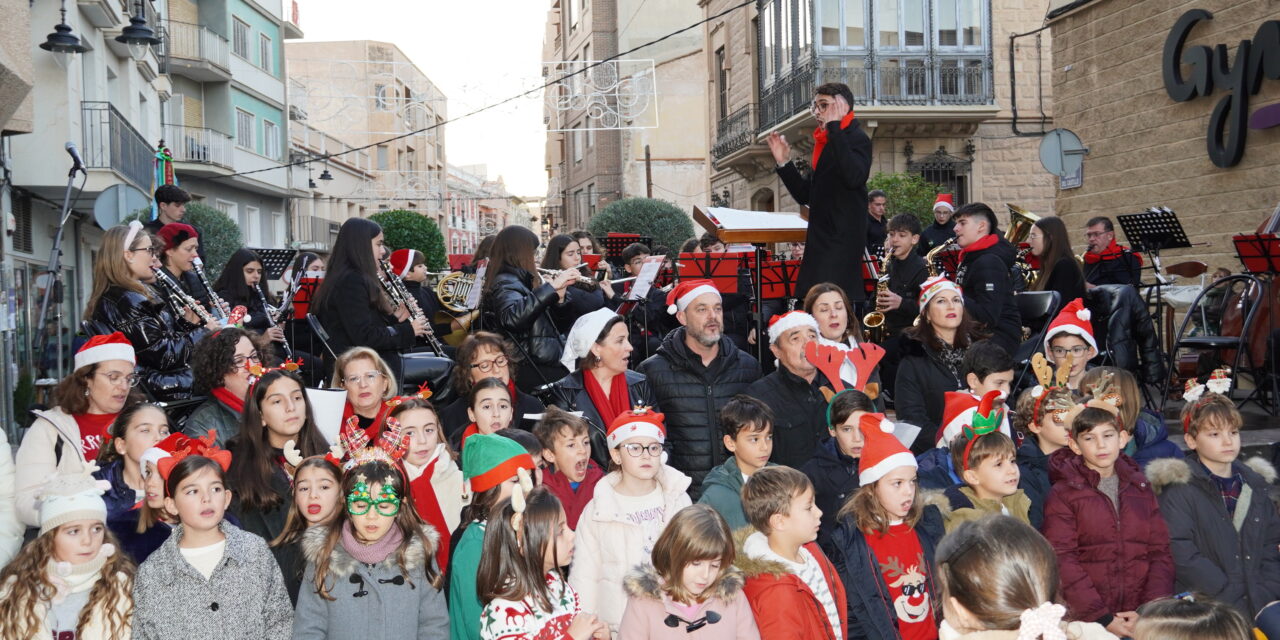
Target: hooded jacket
[371, 601]
[984, 277]
[513, 308]
[722, 490]
[920, 389]
[799, 414]
[785, 607]
[691, 397]
[39, 457]
[871, 608]
[835, 477]
[648, 607]
[608, 546]
[960, 503]
[162, 342]
[1110, 561]
[1150, 441]
[1033, 464]
[570, 393]
[1232, 558]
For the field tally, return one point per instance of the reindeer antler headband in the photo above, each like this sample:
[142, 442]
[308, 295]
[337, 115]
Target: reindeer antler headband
[518, 504]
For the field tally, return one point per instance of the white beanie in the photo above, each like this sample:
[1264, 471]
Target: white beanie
[586, 330]
[67, 498]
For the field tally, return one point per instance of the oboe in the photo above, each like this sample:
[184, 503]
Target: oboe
[221, 310]
[180, 298]
[401, 296]
[271, 322]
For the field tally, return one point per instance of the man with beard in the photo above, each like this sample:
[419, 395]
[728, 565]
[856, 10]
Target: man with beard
[694, 373]
[794, 391]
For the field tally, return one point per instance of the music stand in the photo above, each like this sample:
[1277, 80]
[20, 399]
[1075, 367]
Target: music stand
[275, 261]
[1151, 232]
[615, 242]
[721, 269]
[779, 279]
[1260, 255]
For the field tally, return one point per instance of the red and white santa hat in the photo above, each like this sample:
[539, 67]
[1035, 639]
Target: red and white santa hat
[935, 285]
[882, 452]
[788, 321]
[958, 411]
[944, 200]
[640, 422]
[402, 261]
[684, 293]
[103, 348]
[1072, 320]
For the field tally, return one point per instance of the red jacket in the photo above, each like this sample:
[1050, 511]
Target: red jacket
[784, 606]
[1109, 562]
[574, 501]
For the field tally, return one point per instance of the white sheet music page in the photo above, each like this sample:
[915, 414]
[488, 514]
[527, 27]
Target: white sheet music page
[644, 279]
[732, 219]
[473, 296]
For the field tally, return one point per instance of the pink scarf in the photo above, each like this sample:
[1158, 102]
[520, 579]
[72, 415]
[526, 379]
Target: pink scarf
[371, 553]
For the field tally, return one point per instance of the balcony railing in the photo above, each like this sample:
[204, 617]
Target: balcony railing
[316, 229]
[194, 42]
[787, 96]
[110, 142]
[734, 131]
[198, 144]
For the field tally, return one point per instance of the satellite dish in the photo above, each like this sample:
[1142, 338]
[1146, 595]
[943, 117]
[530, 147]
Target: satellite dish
[118, 202]
[1061, 152]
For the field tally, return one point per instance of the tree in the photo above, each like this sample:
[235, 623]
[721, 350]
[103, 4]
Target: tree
[220, 236]
[658, 219]
[906, 193]
[405, 229]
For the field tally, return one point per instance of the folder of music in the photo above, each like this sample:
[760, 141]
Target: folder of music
[756, 227]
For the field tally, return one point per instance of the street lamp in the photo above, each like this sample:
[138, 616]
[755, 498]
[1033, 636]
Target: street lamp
[325, 175]
[138, 35]
[62, 42]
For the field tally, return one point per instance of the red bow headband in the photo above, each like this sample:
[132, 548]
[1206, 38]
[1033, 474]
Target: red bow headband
[203, 446]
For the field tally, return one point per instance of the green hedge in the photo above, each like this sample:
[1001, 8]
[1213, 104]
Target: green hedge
[658, 219]
[403, 229]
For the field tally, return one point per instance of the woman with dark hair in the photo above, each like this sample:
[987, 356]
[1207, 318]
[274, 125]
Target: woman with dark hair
[517, 304]
[221, 365]
[485, 355]
[351, 303]
[585, 294]
[178, 257]
[602, 385]
[306, 265]
[241, 283]
[838, 326]
[1058, 269]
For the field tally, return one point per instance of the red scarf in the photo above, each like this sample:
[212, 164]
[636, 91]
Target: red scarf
[619, 399]
[428, 508]
[373, 429]
[820, 136]
[229, 400]
[511, 388]
[985, 243]
[1113, 252]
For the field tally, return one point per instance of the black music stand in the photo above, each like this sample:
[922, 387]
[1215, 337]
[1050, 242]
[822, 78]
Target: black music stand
[613, 246]
[275, 261]
[1260, 255]
[1151, 232]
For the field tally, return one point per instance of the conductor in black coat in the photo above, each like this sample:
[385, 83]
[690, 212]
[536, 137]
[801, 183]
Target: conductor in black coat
[835, 192]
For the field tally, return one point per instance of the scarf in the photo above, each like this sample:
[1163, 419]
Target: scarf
[427, 504]
[820, 137]
[229, 400]
[985, 243]
[1113, 252]
[619, 399]
[70, 578]
[372, 429]
[371, 553]
[511, 388]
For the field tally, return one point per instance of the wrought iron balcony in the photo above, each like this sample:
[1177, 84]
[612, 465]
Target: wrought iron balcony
[110, 142]
[735, 131]
[198, 144]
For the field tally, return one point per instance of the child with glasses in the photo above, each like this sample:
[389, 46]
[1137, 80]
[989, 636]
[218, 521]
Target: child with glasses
[632, 505]
[1071, 334]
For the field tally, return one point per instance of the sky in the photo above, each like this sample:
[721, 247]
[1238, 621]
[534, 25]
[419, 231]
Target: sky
[478, 52]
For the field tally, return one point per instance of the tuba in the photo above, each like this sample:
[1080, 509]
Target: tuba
[1020, 223]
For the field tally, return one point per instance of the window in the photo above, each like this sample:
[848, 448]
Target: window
[380, 99]
[722, 86]
[252, 227]
[244, 129]
[577, 143]
[277, 229]
[384, 158]
[591, 138]
[240, 38]
[270, 140]
[265, 53]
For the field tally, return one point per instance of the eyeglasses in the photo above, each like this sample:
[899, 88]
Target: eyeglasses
[152, 250]
[1096, 234]
[488, 365]
[115, 378]
[368, 378]
[635, 449]
[240, 361]
[386, 508]
[1076, 352]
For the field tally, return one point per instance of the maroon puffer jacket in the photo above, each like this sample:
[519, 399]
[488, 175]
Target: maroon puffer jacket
[1109, 562]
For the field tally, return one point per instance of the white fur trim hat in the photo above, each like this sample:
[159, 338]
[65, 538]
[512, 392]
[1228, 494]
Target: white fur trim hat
[684, 294]
[103, 348]
[1074, 320]
[67, 498]
[779, 325]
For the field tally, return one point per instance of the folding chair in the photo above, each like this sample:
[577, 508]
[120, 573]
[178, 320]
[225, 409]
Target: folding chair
[1209, 341]
[1035, 308]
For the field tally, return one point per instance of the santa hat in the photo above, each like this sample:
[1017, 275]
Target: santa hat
[640, 422]
[71, 497]
[1072, 320]
[882, 452]
[684, 293]
[585, 332]
[402, 261]
[103, 348]
[963, 409]
[488, 460]
[161, 450]
[176, 233]
[779, 325]
[944, 200]
[935, 285]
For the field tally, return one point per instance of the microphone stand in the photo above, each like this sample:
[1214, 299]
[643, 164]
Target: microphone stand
[53, 288]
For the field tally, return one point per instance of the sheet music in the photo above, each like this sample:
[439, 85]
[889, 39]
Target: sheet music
[326, 406]
[473, 296]
[731, 219]
[648, 271]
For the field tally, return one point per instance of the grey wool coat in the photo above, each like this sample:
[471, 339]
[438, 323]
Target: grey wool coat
[371, 602]
[245, 599]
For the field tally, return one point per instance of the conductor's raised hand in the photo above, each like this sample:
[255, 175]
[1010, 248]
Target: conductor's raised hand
[779, 147]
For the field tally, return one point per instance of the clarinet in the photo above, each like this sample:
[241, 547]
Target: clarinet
[221, 310]
[271, 322]
[400, 295]
[180, 298]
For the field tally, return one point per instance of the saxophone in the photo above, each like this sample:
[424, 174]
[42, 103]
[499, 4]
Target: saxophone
[874, 321]
[932, 261]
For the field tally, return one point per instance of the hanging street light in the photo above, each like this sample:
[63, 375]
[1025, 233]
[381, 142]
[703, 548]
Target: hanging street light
[138, 35]
[62, 42]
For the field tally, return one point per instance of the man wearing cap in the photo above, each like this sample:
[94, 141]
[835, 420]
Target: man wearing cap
[793, 391]
[835, 192]
[943, 227]
[696, 370]
[986, 260]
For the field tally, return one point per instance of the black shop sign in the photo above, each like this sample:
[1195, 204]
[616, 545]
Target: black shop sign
[1211, 68]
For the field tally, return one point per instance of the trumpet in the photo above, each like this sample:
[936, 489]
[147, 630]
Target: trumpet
[179, 298]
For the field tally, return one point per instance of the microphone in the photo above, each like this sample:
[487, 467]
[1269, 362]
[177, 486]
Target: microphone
[75, 156]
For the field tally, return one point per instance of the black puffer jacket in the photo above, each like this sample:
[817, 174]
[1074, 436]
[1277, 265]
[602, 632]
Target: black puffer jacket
[919, 391]
[570, 393]
[692, 395]
[162, 343]
[1123, 327]
[799, 414]
[988, 292]
[512, 308]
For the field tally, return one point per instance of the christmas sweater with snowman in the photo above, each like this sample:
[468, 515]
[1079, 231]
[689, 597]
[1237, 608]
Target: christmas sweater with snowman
[524, 620]
[903, 569]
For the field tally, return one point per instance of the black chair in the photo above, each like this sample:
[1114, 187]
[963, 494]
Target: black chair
[1198, 315]
[1036, 309]
[318, 330]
